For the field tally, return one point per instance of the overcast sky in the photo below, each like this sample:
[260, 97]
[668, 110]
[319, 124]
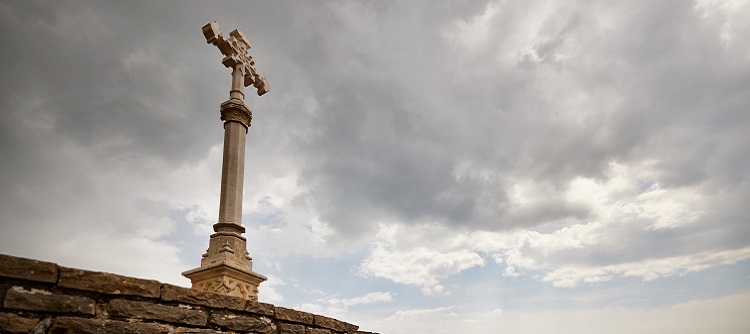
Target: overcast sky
[417, 167]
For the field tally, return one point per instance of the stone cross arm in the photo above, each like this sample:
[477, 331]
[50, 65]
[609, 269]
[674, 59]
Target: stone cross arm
[235, 54]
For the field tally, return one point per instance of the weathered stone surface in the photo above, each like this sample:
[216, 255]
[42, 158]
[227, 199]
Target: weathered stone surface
[260, 308]
[107, 283]
[32, 270]
[39, 300]
[334, 324]
[12, 323]
[225, 277]
[68, 325]
[261, 325]
[145, 310]
[180, 294]
[123, 304]
[317, 331]
[293, 315]
[182, 330]
[285, 328]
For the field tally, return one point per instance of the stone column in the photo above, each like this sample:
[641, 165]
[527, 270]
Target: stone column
[226, 267]
[233, 164]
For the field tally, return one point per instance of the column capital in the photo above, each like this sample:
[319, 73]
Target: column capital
[234, 110]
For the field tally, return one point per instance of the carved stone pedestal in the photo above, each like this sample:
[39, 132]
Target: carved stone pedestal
[226, 268]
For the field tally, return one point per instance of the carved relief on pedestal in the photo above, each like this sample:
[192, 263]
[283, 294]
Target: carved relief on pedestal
[226, 247]
[229, 286]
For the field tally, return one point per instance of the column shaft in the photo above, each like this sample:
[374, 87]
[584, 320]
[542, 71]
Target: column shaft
[232, 173]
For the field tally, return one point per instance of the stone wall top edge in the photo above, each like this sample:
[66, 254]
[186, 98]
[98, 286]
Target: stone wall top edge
[108, 283]
[28, 269]
[119, 285]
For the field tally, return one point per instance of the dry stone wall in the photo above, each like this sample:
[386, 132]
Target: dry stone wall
[42, 297]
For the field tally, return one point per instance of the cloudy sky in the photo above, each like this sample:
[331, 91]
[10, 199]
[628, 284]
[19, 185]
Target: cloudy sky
[418, 166]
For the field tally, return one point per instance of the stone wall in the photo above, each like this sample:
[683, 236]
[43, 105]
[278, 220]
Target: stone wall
[42, 297]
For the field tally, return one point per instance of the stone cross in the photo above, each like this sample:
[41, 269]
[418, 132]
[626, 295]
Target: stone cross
[226, 267]
[235, 49]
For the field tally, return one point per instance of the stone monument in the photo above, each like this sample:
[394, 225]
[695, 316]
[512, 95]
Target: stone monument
[226, 267]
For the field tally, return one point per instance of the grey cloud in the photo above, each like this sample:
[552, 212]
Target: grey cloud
[396, 153]
[399, 109]
[388, 143]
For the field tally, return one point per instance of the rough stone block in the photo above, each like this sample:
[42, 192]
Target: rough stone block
[260, 325]
[146, 310]
[293, 315]
[107, 283]
[68, 325]
[32, 270]
[318, 331]
[40, 300]
[13, 323]
[260, 308]
[285, 328]
[182, 330]
[185, 295]
[335, 325]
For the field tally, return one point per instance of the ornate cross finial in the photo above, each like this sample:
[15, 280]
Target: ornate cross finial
[235, 54]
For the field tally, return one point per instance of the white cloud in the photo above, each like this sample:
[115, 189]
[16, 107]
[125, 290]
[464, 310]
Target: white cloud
[733, 26]
[632, 192]
[475, 33]
[339, 307]
[267, 292]
[422, 313]
[627, 207]
[370, 298]
[420, 266]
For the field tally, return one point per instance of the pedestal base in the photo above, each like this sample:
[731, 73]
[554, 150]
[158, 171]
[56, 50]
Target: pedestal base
[226, 268]
[226, 278]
